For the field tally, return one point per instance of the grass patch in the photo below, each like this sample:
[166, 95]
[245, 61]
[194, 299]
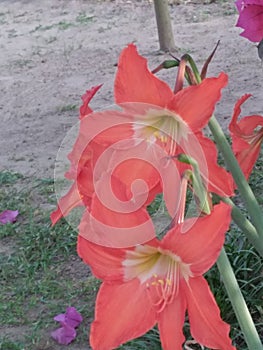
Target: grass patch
[83, 18]
[68, 108]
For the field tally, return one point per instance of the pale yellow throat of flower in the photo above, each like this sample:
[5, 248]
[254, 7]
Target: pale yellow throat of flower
[161, 126]
[158, 270]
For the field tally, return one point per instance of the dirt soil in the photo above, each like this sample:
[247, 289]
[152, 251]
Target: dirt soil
[53, 50]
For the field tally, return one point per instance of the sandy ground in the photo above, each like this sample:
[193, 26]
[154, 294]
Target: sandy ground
[52, 51]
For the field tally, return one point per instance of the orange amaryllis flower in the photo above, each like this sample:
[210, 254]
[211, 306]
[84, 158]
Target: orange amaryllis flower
[152, 114]
[247, 137]
[192, 106]
[157, 282]
[171, 120]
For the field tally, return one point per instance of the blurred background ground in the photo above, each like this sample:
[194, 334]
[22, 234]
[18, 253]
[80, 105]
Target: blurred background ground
[52, 51]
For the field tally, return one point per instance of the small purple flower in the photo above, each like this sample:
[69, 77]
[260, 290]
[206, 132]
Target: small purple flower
[70, 320]
[8, 216]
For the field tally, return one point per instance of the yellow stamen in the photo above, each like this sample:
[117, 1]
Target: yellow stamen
[163, 126]
[159, 270]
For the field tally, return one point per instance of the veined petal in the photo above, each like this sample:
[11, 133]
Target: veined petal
[141, 170]
[135, 83]
[217, 178]
[233, 126]
[105, 263]
[206, 324]
[96, 133]
[66, 203]
[85, 109]
[113, 220]
[246, 138]
[195, 104]
[170, 324]
[249, 124]
[248, 157]
[123, 312]
[201, 244]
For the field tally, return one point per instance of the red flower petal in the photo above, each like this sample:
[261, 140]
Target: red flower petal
[106, 263]
[170, 324]
[219, 181]
[66, 203]
[85, 109]
[135, 83]
[206, 324]
[198, 241]
[123, 312]
[246, 140]
[196, 104]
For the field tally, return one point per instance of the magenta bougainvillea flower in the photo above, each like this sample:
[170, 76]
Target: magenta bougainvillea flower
[8, 216]
[68, 321]
[72, 317]
[250, 19]
[64, 335]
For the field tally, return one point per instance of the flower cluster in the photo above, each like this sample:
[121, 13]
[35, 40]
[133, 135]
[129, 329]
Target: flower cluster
[154, 143]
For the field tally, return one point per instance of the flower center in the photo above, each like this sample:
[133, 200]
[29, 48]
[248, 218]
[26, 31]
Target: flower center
[161, 126]
[158, 270]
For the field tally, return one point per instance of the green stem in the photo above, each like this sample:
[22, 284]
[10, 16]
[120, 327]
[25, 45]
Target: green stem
[197, 183]
[245, 225]
[248, 196]
[239, 305]
[166, 65]
[189, 59]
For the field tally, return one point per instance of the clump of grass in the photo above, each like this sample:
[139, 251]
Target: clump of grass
[63, 25]
[67, 108]
[8, 178]
[83, 18]
[10, 345]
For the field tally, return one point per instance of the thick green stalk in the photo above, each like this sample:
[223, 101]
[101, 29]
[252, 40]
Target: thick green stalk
[248, 196]
[239, 305]
[245, 225]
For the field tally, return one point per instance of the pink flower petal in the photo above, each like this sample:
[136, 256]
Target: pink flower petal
[60, 318]
[250, 19]
[73, 317]
[8, 216]
[64, 335]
